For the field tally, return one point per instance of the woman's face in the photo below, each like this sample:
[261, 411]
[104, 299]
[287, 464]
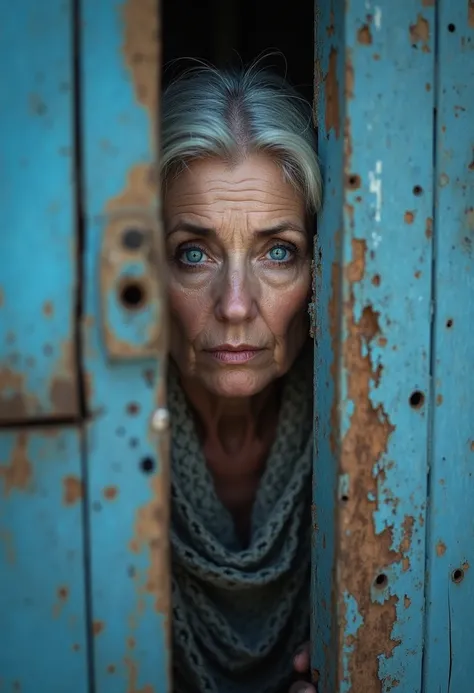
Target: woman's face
[239, 253]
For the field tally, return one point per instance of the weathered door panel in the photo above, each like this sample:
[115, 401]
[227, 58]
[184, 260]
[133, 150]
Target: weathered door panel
[127, 504]
[37, 240]
[373, 289]
[42, 596]
[450, 592]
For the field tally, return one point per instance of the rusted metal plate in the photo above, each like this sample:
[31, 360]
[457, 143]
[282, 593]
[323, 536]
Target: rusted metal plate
[38, 256]
[449, 664]
[373, 303]
[130, 284]
[42, 596]
[127, 466]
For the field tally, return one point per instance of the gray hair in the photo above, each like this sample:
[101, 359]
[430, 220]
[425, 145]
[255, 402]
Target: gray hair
[230, 114]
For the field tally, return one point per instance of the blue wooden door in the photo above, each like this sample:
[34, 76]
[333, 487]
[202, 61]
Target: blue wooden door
[394, 532]
[84, 598]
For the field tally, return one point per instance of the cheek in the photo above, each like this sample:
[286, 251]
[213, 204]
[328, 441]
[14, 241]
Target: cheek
[189, 311]
[284, 308]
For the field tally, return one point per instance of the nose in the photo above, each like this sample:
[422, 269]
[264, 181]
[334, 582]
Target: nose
[236, 300]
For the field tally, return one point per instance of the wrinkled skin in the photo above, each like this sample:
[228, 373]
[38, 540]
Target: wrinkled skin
[239, 257]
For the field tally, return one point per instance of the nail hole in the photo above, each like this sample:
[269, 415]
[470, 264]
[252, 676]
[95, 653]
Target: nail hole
[417, 399]
[353, 181]
[345, 498]
[147, 465]
[133, 295]
[133, 408]
[451, 27]
[457, 575]
[449, 323]
[132, 239]
[417, 190]
[381, 581]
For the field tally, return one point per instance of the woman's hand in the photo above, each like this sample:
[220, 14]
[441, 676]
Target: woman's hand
[301, 664]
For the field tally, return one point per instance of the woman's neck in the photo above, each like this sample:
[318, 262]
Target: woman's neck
[231, 424]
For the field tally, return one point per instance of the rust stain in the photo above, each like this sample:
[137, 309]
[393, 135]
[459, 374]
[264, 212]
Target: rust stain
[111, 669]
[429, 228]
[420, 33]
[142, 50]
[110, 492]
[439, 399]
[409, 217]
[48, 308]
[349, 85]
[2, 298]
[331, 88]
[62, 595]
[15, 402]
[63, 387]
[470, 218]
[470, 13]
[73, 490]
[376, 280]
[363, 553]
[428, 3]
[151, 528]
[132, 678]
[17, 473]
[440, 548]
[364, 35]
[97, 627]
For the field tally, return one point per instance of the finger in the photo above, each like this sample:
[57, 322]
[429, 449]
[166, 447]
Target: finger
[301, 659]
[302, 687]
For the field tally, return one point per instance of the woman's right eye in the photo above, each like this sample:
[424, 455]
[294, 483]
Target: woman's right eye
[192, 256]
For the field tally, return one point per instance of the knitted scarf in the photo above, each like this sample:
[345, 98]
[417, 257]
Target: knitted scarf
[239, 614]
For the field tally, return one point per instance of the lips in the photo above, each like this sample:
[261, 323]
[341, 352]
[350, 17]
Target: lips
[230, 353]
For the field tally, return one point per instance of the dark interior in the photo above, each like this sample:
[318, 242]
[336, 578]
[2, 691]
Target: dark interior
[229, 32]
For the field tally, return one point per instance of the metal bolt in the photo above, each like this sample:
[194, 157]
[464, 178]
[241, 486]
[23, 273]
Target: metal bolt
[160, 420]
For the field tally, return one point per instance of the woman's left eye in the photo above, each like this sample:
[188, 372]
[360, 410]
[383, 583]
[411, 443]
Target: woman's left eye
[280, 253]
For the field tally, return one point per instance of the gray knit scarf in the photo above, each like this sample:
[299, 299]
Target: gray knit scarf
[239, 614]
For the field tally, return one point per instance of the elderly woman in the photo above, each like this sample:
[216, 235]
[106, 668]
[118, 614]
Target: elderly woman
[241, 187]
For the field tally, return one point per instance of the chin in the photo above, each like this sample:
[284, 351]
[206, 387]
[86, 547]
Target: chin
[238, 382]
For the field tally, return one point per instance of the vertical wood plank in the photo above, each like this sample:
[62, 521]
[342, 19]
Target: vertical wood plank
[449, 665]
[373, 296]
[38, 375]
[42, 595]
[127, 482]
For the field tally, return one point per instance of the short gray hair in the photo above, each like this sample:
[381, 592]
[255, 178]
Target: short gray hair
[230, 114]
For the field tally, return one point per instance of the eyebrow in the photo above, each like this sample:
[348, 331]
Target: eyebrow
[206, 232]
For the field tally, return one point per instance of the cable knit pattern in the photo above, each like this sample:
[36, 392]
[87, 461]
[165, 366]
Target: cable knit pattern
[239, 614]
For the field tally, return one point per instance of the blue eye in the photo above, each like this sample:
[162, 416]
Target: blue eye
[279, 253]
[192, 256]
